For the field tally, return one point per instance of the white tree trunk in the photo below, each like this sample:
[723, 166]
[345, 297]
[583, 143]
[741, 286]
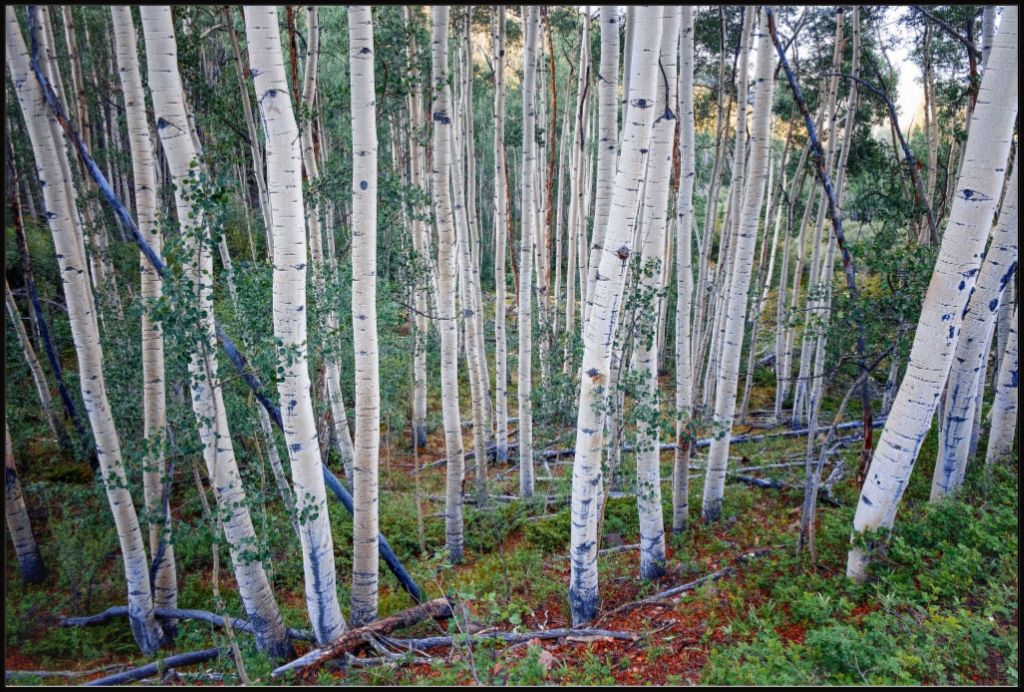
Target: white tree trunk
[284, 183]
[30, 562]
[1004, 408]
[645, 346]
[364, 316]
[684, 279]
[154, 406]
[604, 312]
[500, 238]
[59, 201]
[978, 188]
[529, 216]
[725, 391]
[970, 361]
[446, 267]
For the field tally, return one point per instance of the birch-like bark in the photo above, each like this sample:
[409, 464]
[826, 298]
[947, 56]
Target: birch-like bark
[970, 361]
[604, 314]
[284, 186]
[364, 316]
[529, 217]
[746, 237]
[1004, 408]
[500, 237]
[978, 188]
[577, 190]
[659, 171]
[607, 117]
[65, 227]
[207, 396]
[446, 266]
[684, 279]
[30, 562]
[154, 404]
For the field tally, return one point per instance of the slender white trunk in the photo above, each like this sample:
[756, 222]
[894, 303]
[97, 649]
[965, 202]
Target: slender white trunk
[978, 188]
[604, 313]
[577, 187]
[284, 183]
[154, 405]
[684, 279]
[500, 238]
[30, 562]
[725, 391]
[59, 198]
[659, 171]
[446, 265]
[1004, 408]
[529, 216]
[970, 361]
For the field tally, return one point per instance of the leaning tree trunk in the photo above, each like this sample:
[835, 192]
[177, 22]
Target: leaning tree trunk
[970, 361]
[154, 405]
[364, 316]
[645, 345]
[30, 562]
[284, 183]
[684, 280]
[446, 263]
[725, 390]
[529, 217]
[59, 199]
[207, 395]
[604, 312]
[970, 220]
[1004, 408]
[500, 237]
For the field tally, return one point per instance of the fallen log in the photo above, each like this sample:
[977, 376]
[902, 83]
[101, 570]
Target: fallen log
[145, 671]
[177, 614]
[690, 586]
[439, 608]
[570, 635]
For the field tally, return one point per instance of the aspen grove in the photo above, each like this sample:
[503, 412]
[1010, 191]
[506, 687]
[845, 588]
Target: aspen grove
[401, 344]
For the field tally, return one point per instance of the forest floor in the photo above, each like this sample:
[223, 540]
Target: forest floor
[940, 606]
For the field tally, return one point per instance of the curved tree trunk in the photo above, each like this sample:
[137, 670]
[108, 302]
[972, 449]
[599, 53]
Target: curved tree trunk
[970, 360]
[604, 309]
[59, 200]
[970, 221]
[284, 183]
[725, 391]
[154, 406]
[364, 316]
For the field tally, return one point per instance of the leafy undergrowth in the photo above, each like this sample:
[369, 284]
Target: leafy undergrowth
[939, 606]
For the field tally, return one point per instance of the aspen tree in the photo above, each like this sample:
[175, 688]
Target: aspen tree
[967, 372]
[154, 405]
[970, 220]
[1004, 408]
[364, 316]
[604, 309]
[577, 192]
[284, 185]
[725, 391]
[645, 347]
[53, 171]
[446, 266]
[529, 223]
[30, 562]
[607, 117]
[684, 278]
[500, 237]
